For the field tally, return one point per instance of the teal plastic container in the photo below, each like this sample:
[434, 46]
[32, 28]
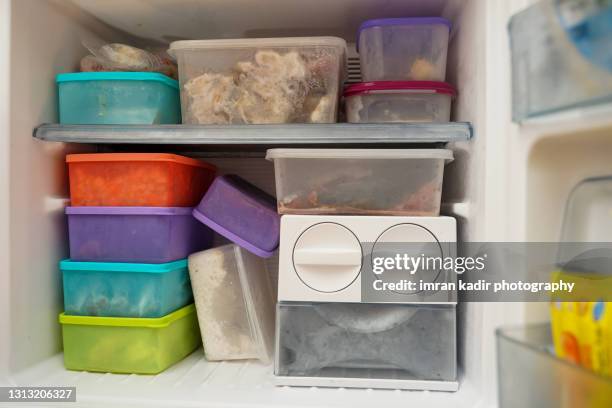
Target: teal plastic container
[125, 289]
[118, 98]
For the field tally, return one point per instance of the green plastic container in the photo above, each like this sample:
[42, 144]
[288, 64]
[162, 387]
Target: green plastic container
[129, 345]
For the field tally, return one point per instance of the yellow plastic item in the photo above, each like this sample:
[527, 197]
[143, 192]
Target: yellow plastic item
[129, 345]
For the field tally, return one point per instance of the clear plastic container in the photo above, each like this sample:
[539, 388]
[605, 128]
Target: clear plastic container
[114, 98]
[373, 341]
[359, 181]
[531, 376]
[135, 234]
[241, 213]
[137, 179]
[264, 80]
[125, 289]
[235, 304]
[127, 344]
[398, 101]
[403, 49]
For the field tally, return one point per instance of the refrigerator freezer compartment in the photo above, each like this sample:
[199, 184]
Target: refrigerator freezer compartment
[125, 289]
[105, 98]
[234, 302]
[359, 181]
[129, 345]
[359, 340]
[265, 80]
[531, 376]
[135, 234]
[403, 49]
[398, 101]
[137, 179]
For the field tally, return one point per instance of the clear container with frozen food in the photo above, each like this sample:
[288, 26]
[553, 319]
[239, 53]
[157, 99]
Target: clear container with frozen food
[116, 289]
[242, 213]
[359, 181]
[129, 344]
[391, 345]
[262, 80]
[235, 303]
[398, 101]
[403, 49]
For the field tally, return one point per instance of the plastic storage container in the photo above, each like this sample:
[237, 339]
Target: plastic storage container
[134, 234]
[370, 341]
[242, 213]
[359, 181]
[398, 101]
[129, 345]
[137, 179]
[125, 289]
[118, 98]
[234, 302]
[403, 49]
[264, 80]
[531, 376]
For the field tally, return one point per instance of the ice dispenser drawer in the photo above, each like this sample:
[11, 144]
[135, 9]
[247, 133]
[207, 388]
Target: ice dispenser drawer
[374, 341]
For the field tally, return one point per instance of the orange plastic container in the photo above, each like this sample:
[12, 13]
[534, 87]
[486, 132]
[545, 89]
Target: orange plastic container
[137, 179]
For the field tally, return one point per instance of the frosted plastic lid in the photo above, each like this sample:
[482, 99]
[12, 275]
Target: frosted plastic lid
[399, 87]
[257, 43]
[359, 154]
[381, 22]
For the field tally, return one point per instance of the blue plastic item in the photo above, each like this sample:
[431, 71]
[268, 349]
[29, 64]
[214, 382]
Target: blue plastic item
[118, 98]
[125, 289]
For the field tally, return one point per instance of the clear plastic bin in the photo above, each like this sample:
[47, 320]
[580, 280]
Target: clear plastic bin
[115, 98]
[373, 341]
[264, 80]
[241, 213]
[127, 344]
[125, 289]
[403, 49]
[531, 376]
[235, 303]
[398, 101]
[359, 181]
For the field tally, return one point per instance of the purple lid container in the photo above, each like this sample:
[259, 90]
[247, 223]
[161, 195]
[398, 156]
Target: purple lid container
[241, 213]
[381, 22]
[134, 234]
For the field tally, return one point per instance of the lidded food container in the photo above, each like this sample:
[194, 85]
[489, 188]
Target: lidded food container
[403, 49]
[118, 98]
[125, 289]
[134, 234]
[137, 179]
[398, 101]
[128, 344]
[262, 80]
[235, 303]
[242, 213]
[359, 181]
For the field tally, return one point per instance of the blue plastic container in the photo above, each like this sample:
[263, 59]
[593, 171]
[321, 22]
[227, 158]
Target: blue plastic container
[125, 289]
[118, 98]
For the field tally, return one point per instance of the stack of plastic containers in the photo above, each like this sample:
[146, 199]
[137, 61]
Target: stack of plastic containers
[127, 295]
[230, 283]
[403, 66]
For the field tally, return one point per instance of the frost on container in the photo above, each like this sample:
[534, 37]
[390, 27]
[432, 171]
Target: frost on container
[257, 81]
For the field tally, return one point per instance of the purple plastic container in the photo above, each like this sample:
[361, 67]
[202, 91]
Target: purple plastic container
[241, 213]
[134, 234]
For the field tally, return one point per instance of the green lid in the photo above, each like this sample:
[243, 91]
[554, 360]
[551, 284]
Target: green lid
[158, 322]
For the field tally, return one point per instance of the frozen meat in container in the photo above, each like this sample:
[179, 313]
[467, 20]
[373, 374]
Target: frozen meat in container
[262, 80]
[242, 213]
[403, 49]
[235, 304]
[398, 101]
[134, 234]
[125, 289]
[359, 181]
[137, 179]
